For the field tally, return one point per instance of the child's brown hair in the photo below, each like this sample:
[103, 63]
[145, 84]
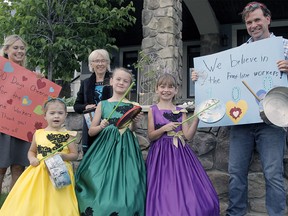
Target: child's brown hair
[166, 79]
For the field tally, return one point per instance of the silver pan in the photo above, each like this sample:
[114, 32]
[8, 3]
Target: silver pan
[275, 106]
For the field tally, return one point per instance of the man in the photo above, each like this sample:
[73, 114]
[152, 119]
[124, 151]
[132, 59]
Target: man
[268, 140]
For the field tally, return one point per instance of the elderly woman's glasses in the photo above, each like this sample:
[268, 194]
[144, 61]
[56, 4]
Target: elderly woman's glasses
[98, 61]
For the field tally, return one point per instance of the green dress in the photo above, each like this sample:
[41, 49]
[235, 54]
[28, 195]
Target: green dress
[111, 178]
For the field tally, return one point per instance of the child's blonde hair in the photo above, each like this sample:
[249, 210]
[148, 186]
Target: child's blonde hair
[125, 70]
[54, 100]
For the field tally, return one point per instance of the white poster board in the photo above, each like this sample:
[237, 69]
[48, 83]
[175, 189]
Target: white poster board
[221, 75]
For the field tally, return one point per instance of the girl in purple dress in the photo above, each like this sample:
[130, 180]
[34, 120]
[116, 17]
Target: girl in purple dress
[177, 182]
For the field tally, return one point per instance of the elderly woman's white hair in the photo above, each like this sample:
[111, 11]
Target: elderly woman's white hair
[93, 55]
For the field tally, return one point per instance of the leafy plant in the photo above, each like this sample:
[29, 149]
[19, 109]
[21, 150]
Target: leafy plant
[60, 34]
[150, 66]
[69, 101]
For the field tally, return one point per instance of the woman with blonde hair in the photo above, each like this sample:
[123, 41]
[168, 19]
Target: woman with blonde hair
[14, 49]
[13, 150]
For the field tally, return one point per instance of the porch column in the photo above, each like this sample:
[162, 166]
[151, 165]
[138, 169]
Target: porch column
[161, 44]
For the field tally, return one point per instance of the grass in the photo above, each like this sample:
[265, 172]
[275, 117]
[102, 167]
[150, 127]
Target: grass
[2, 199]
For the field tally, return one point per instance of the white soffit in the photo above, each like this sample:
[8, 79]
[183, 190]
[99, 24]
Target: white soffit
[203, 15]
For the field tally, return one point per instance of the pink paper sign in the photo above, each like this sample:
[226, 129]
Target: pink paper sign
[22, 98]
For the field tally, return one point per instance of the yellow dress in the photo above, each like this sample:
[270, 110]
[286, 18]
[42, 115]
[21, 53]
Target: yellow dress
[34, 193]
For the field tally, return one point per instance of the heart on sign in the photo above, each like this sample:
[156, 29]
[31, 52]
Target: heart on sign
[30, 136]
[24, 78]
[8, 67]
[26, 101]
[38, 125]
[51, 89]
[236, 111]
[38, 110]
[40, 84]
[10, 101]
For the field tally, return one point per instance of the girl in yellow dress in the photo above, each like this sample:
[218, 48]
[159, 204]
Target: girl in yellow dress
[34, 193]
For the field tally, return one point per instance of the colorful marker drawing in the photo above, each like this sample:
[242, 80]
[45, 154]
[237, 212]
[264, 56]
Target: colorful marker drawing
[22, 97]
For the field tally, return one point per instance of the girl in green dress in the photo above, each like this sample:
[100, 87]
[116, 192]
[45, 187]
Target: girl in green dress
[111, 178]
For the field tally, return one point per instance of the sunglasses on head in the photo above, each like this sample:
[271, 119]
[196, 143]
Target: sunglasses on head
[255, 5]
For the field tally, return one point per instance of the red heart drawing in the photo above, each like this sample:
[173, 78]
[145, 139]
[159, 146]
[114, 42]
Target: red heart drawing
[235, 112]
[30, 136]
[38, 125]
[24, 78]
[10, 101]
[40, 84]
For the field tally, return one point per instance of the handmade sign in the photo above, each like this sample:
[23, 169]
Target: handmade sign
[22, 98]
[221, 75]
[88, 116]
[58, 172]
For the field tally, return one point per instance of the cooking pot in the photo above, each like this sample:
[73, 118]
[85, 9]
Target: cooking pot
[274, 106]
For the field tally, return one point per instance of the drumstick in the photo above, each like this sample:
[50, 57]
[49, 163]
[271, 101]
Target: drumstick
[91, 117]
[193, 116]
[53, 152]
[127, 91]
[248, 87]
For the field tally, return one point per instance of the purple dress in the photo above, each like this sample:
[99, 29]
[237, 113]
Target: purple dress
[177, 183]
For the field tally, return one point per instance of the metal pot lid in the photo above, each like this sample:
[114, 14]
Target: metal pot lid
[275, 106]
[213, 114]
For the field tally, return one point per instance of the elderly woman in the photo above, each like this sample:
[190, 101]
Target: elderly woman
[93, 89]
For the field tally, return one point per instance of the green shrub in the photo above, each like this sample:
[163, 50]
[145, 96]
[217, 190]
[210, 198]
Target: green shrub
[69, 101]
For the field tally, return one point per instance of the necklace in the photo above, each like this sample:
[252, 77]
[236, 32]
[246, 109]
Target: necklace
[99, 83]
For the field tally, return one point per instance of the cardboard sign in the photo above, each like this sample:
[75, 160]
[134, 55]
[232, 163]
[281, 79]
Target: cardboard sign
[88, 116]
[221, 76]
[22, 97]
